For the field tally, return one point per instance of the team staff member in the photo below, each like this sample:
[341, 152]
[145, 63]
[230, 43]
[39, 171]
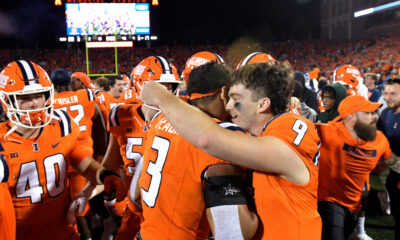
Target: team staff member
[389, 124]
[350, 150]
[284, 156]
[39, 146]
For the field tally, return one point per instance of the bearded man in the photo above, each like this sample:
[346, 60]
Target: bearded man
[351, 147]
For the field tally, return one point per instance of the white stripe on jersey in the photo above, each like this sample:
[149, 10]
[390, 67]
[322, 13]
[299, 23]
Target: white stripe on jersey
[90, 94]
[64, 121]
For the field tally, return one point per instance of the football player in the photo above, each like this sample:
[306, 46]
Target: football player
[180, 183]
[109, 99]
[128, 127]
[283, 150]
[81, 106]
[255, 57]
[39, 144]
[350, 76]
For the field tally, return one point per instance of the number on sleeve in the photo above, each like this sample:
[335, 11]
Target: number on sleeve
[161, 145]
[300, 128]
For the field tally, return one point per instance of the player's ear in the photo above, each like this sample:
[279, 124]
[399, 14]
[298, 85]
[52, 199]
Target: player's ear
[264, 104]
[224, 94]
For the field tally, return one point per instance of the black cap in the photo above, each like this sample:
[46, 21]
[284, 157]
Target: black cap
[61, 77]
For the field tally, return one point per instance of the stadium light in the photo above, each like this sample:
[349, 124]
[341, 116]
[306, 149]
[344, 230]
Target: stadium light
[62, 39]
[109, 44]
[383, 7]
[363, 12]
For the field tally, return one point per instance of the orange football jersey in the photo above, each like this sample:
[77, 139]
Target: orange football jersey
[7, 215]
[129, 130]
[170, 183]
[128, 96]
[345, 164]
[38, 183]
[80, 105]
[288, 210]
[106, 102]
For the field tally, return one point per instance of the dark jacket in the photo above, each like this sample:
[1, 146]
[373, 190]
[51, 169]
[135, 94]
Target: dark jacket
[327, 116]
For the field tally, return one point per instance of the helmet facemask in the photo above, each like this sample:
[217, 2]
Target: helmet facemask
[29, 118]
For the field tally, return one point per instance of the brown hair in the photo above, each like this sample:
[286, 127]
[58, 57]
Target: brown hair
[274, 80]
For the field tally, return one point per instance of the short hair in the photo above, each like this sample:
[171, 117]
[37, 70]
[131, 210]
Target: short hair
[207, 78]
[274, 80]
[103, 82]
[373, 76]
[393, 81]
[329, 90]
[113, 79]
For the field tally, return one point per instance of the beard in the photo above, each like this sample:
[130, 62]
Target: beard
[366, 132]
[395, 106]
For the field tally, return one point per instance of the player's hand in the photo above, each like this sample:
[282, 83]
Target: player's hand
[113, 184]
[294, 102]
[79, 204]
[152, 93]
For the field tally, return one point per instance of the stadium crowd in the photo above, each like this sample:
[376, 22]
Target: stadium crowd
[277, 144]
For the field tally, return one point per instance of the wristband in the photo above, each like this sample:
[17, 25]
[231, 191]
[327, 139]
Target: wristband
[104, 173]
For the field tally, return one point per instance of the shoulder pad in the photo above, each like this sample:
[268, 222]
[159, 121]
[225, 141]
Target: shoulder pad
[90, 95]
[65, 122]
[113, 116]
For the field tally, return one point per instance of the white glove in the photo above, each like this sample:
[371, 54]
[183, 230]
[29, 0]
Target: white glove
[79, 204]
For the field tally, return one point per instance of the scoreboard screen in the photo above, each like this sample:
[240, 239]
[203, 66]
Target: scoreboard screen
[102, 19]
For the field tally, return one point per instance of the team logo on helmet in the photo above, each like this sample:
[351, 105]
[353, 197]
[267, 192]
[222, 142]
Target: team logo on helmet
[199, 59]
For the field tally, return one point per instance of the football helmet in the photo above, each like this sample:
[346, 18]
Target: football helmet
[21, 78]
[255, 57]
[347, 75]
[154, 68]
[199, 59]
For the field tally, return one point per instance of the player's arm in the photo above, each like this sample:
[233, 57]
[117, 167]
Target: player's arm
[393, 163]
[99, 133]
[112, 160]
[267, 154]
[95, 173]
[227, 196]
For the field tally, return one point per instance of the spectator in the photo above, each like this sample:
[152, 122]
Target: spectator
[309, 97]
[373, 92]
[331, 97]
